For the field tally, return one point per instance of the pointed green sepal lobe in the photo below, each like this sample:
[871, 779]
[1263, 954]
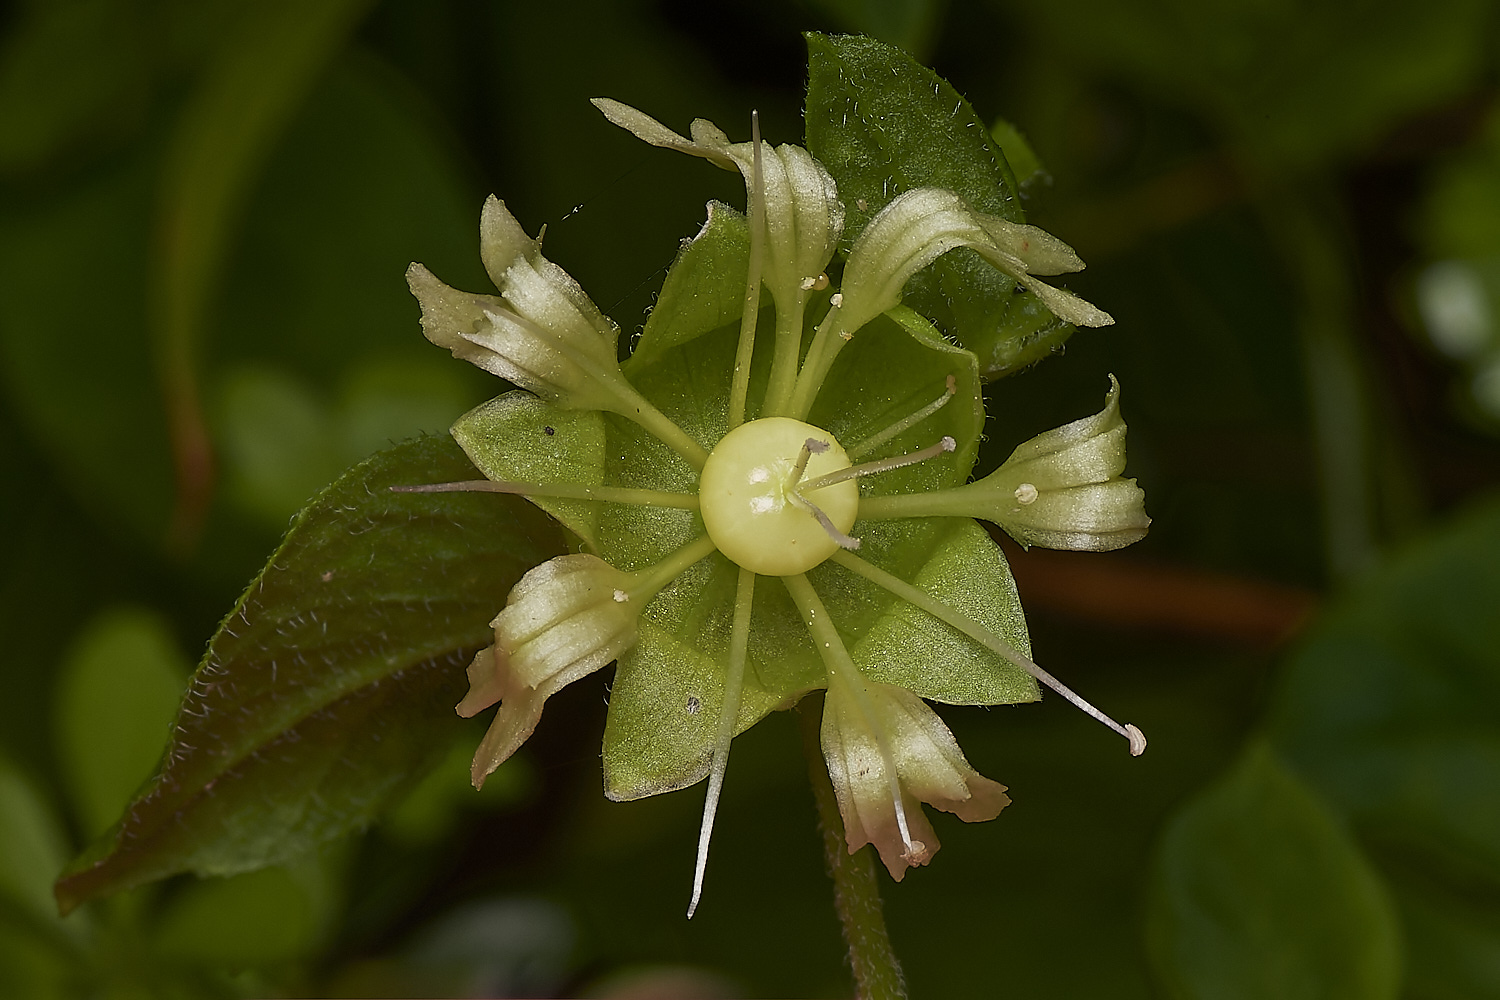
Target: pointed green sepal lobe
[330, 687]
[521, 438]
[704, 289]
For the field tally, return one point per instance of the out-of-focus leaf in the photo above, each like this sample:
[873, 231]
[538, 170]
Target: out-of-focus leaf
[277, 442]
[32, 845]
[1461, 210]
[1453, 940]
[267, 65]
[1458, 295]
[438, 802]
[118, 692]
[36, 957]
[1292, 83]
[282, 441]
[328, 689]
[1258, 892]
[272, 915]
[70, 74]
[1389, 709]
[81, 379]
[360, 185]
[495, 947]
[883, 124]
[1024, 162]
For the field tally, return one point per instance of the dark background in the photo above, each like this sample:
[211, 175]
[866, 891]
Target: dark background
[1292, 210]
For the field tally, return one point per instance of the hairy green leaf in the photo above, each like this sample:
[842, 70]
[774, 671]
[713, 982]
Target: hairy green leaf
[882, 124]
[330, 687]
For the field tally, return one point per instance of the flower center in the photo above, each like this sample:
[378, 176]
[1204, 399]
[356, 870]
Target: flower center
[751, 503]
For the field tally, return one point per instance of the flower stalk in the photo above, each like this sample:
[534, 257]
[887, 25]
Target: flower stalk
[856, 890]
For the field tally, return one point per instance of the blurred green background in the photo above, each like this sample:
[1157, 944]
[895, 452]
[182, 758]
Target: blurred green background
[1291, 208]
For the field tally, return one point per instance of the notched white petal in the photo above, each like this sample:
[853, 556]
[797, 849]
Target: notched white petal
[708, 139]
[914, 229]
[542, 332]
[803, 215]
[561, 622]
[929, 765]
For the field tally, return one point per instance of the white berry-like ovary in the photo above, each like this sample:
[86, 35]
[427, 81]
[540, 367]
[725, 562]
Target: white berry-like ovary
[746, 496]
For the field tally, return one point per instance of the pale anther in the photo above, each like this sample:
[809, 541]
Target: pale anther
[621, 596]
[1026, 493]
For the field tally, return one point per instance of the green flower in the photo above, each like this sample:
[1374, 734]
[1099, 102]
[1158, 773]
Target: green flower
[758, 517]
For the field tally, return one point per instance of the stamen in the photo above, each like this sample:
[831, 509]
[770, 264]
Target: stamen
[974, 630]
[739, 644]
[833, 532]
[739, 387]
[561, 491]
[871, 443]
[943, 446]
[810, 447]
[841, 669]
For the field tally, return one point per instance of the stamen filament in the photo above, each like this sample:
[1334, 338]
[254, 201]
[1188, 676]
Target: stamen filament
[729, 713]
[842, 670]
[845, 541]
[810, 447]
[562, 491]
[974, 630]
[630, 403]
[871, 443]
[654, 578]
[739, 387]
[825, 347]
[943, 446]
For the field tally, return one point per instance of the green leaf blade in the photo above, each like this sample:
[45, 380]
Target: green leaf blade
[1259, 892]
[328, 689]
[883, 124]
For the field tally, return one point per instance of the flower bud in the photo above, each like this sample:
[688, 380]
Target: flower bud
[1060, 490]
[804, 217]
[564, 619]
[542, 332]
[868, 731]
[919, 226]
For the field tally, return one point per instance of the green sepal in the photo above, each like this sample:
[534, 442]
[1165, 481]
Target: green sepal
[519, 437]
[703, 290]
[908, 648]
[895, 366]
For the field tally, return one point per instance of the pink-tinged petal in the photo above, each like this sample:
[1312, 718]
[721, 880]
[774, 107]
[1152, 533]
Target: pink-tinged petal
[487, 683]
[863, 730]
